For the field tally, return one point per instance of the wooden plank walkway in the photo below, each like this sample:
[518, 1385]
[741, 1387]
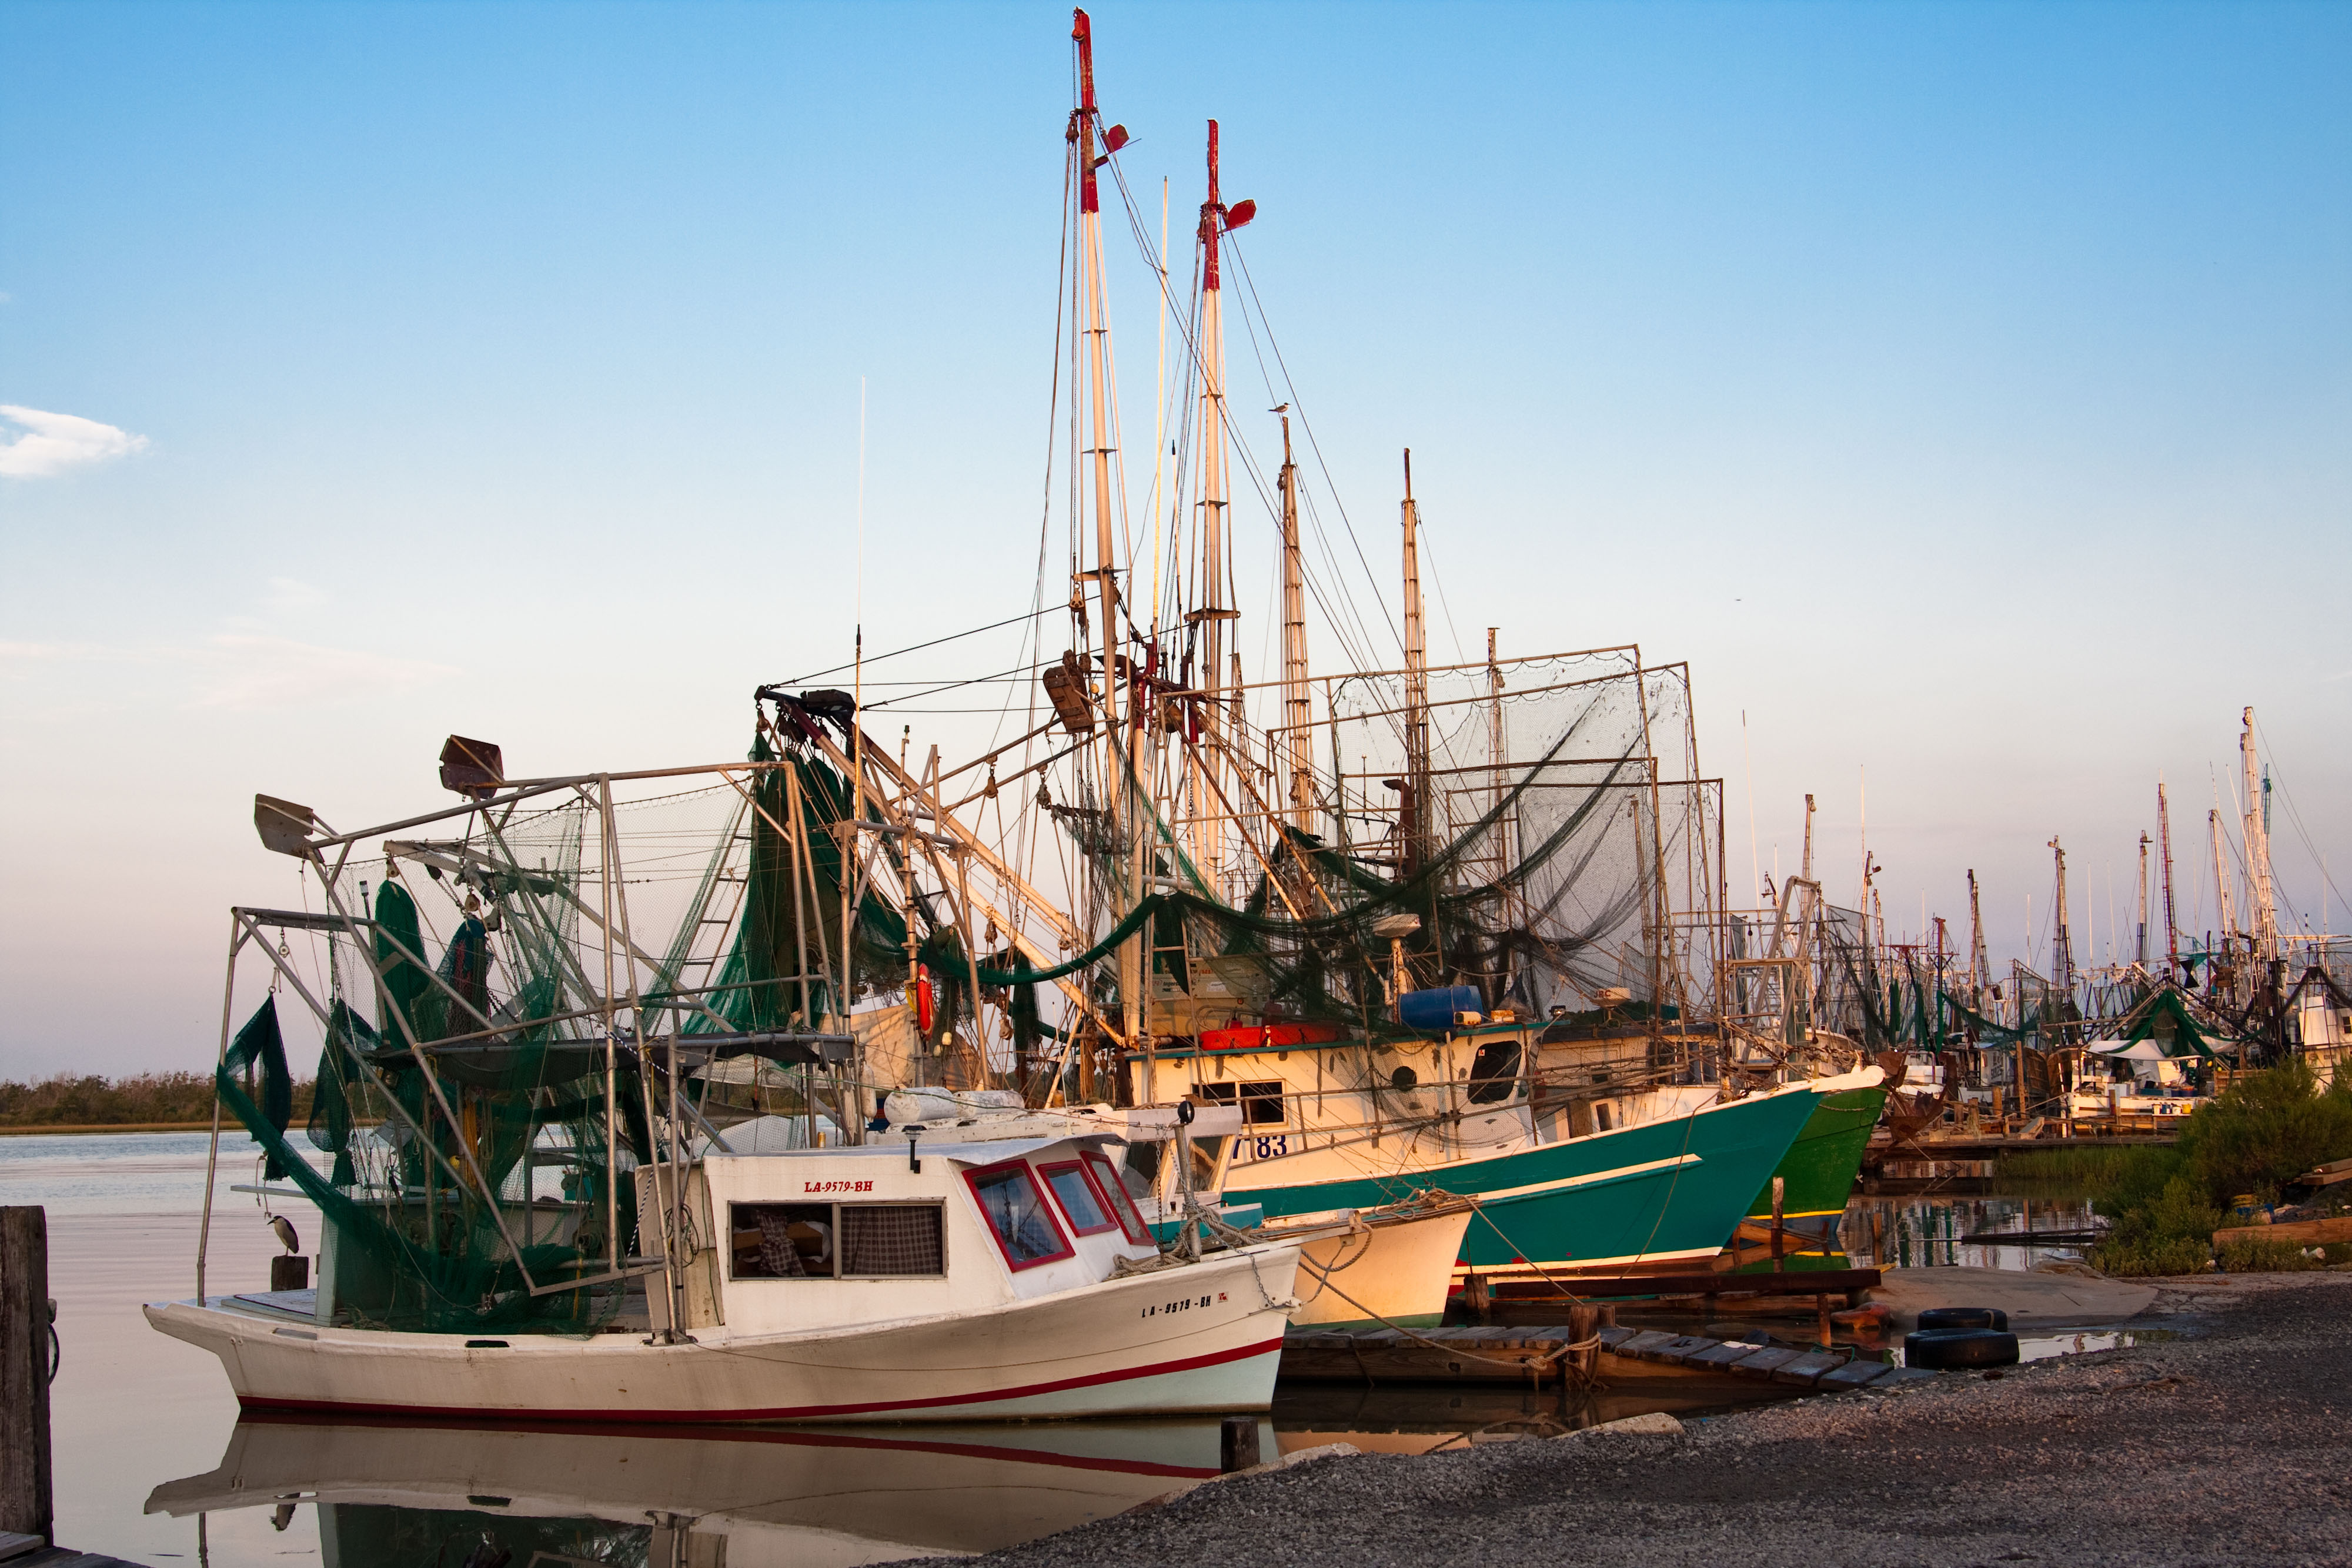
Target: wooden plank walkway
[1523, 1355]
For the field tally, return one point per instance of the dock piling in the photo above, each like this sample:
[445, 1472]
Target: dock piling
[27, 1503]
[1237, 1447]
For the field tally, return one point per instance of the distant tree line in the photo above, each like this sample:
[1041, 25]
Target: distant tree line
[77, 1099]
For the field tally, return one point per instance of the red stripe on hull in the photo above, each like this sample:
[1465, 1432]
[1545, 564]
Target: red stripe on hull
[346, 1420]
[792, 1413]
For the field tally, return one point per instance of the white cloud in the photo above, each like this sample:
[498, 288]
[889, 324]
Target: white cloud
[54, 443]
[243, 672]
[287, 593]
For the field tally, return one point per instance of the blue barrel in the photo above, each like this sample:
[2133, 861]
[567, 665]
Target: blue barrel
[1434, 1009]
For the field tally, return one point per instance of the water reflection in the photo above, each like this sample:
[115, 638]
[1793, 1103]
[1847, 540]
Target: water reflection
[389, 1493]
[1973, 1233]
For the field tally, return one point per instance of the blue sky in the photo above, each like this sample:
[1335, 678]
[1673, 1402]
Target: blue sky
[1966, 390]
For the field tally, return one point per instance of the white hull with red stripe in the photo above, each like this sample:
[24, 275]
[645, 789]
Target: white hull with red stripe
[986, 1321]
[1201, 1337]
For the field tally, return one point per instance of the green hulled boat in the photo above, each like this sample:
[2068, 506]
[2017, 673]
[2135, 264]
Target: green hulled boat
[1817, 1174]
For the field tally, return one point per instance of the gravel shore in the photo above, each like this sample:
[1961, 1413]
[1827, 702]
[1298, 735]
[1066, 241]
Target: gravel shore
[2223, 1446]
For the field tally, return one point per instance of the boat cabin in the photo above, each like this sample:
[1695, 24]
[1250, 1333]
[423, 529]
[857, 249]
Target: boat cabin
[809, 1239]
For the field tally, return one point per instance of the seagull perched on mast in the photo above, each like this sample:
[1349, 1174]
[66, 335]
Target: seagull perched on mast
[285, 1230]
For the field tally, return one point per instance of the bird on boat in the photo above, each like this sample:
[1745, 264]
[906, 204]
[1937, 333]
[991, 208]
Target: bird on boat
[285, 1230]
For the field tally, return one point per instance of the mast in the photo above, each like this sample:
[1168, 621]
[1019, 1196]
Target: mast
[2222, 874]
[2061, 967]
[1297, 707]
[1208, 839]
[1808, 872]
[1414, 816]
[2258, 848]
[2141, 957]
[2164, 846]
[1100, 443]
[1980, 965]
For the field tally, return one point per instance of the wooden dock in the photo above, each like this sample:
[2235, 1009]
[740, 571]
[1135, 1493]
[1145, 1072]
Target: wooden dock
[1534, 1356]
[1715, 1290]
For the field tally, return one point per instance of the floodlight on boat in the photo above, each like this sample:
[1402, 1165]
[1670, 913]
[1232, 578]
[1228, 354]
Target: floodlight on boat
[1239, 214]
[474, 768]
[1396, 926]
[285, 826]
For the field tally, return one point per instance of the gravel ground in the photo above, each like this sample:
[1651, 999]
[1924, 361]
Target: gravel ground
[2223, 1446]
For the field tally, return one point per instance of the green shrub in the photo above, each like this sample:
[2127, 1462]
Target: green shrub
[2263, 1255]
[2267, 1130]
[2085, 1170]
[2178, 1255]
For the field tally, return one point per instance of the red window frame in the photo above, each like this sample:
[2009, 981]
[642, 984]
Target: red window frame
[1045, 1205]
[1120, 1201]
[1101, 1201]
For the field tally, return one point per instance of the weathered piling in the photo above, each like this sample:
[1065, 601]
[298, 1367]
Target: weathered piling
[26, 1506]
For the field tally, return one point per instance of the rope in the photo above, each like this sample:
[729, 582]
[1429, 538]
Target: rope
[1324, 1276]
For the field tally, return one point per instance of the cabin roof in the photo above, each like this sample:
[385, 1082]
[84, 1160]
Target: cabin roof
[972, 1154]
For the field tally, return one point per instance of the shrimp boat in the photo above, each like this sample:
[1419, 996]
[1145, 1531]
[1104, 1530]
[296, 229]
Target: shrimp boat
[519, 1222]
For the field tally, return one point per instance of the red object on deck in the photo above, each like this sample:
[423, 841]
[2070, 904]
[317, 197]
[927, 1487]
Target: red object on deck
[1243, 1036]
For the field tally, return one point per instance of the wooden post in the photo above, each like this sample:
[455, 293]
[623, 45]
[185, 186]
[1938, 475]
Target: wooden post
[1237, 1444]
[1779, 1236]
[24, 1318]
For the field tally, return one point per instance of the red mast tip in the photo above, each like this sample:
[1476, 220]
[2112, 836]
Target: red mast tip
[1082, 30]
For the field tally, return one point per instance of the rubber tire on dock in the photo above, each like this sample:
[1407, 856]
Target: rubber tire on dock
[1941, 1350]
[1963, 1318]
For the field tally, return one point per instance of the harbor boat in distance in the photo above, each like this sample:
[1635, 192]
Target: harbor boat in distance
[997, 1281]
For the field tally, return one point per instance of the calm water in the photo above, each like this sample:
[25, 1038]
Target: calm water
[1928, 1232]
[153, 1465]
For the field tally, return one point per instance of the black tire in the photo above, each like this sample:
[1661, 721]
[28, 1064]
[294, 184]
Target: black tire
[1940, 1350]
[1963, 1318]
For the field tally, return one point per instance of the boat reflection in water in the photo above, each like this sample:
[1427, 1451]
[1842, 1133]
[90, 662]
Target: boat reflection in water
[397, 1492]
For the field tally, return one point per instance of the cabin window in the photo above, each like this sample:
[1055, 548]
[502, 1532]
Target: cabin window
[784, 1240]
[1122, 1202]
[837, 1240]
[1017, 1215]
[892, 1240]
[1261, 1103]
[1494, 1072]
[1087, 1209]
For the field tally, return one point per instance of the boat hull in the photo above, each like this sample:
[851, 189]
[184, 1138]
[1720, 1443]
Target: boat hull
[1657, 1191]
[1203, 1338]
[1817, 1174]
[1392, 1272]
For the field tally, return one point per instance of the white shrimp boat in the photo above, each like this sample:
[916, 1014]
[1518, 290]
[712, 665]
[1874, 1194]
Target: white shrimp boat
[997, 1281]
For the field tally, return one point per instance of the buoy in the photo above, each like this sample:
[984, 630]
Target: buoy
[1870, 1318]
[1963, 1318]
[1941, 1349]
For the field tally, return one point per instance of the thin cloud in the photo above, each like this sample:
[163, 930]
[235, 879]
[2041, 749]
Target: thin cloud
[58, 443]
[250, 672]
[288, 593]
[232, 671]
